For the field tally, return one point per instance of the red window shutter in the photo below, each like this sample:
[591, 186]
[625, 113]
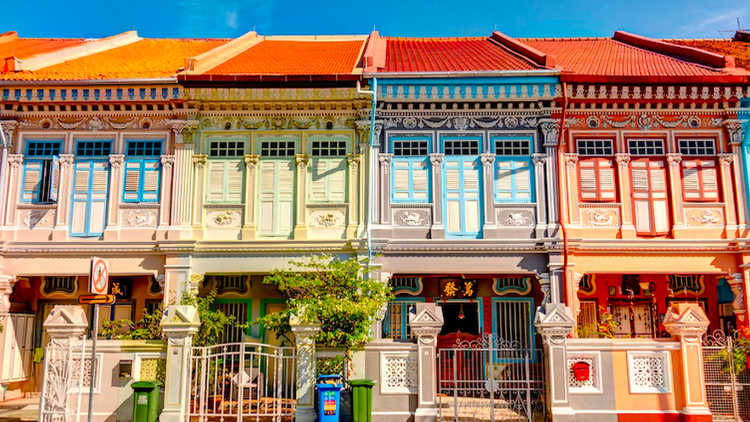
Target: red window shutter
[699, 180]
[597, 180]
[650, 206]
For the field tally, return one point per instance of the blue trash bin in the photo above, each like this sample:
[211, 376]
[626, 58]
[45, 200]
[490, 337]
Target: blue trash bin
[329, 398]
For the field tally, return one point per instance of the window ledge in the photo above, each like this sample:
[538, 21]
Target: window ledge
[28, 206]
[327, 205]
[139, 205]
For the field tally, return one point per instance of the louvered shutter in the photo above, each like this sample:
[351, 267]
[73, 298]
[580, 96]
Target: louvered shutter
[216, 173]
[588, 180]
[276, 204]
[421, 180]
[318, 169]
[151, 173]
[401, 172]
[597, 180]
[285, 201]
[453, 199]
[650, 197]
[472, 206]
[267, 195]
[133, 170]
[513, 181]
[234, 175]
[699, 180]
[504, 183]
[98, 197]
[607, 191]
[31, 178]
[523, 181]
[54, 184]
[337, 180]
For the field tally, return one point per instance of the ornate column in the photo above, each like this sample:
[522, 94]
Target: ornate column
[489, 230]
[737, 284]
[304, 335]
[544, 285]
[64, 197]
[6, 289]
[179, 324]
[726, 167]
[554, 322]
[165, 194]
[687, 322]
[14, 177]
[385, 187]
[248, 226]
[353, 197]
[675, 201]
[112, 230]
[198, 185]
[550, 131]
[182, 181]
[570, 198]
[438, 227]
[426, 323]
[627, 229]
[542, 213]
[377, 324]
[8, 127]
[300, 227]
[736, 131]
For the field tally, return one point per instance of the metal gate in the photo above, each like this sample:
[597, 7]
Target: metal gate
[63, 381]
[727, 378]
[490, 379]
[243, 381]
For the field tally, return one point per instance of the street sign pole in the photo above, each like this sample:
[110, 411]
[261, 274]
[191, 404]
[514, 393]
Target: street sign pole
[93, 362]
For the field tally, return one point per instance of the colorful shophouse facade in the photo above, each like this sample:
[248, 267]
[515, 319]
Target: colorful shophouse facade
[463, 212]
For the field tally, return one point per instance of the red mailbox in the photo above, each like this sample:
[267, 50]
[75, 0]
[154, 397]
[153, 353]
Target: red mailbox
[582, 371]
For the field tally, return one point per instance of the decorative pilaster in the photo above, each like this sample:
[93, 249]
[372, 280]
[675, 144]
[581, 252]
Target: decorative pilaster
[198, 186]
[304, 335]
[438, 226]
[165, 190]
[6, 288]
[353, 197]
[14, 183]
[554, 322]
[688, 323]
[735, 130]
[488, 170]
[177, 126]
[385, 187]
[300, 228]
[623, 191]
[377, 325]
[540, 161]
[569, 197]
[426, 323]
[726, 167]
[737, 284]
[64, 196]
[182, 197]
[675, 200]
[179, 324]
[111, 231]
[251, 167]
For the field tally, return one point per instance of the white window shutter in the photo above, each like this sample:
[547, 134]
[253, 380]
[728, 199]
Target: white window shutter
[32, 176]
[421, 180]
[151, 171]
[641, 196]
[267, 195]
[54, 185]
[523, 180]
[504, 184]
[607, 189]
[216, 172]
[337, 180]
[587, 172]
[235, 174]
[690, 179]
[318, 171]
[401, 179]
[132, 179]
[285, 202]
[710, 181]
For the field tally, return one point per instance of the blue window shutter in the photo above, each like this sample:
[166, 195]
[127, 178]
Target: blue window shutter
[142, 180]
[150, 181]
[411, 180]
[513, 180]
[54, 185]
[133, 180]
[32, 175]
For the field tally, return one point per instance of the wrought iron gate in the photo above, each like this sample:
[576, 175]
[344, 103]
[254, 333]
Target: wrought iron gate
[727, 377]
[490, 379]
[239, 381]
[63, 381]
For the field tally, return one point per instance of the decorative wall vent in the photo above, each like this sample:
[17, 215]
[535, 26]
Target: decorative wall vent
[649, 372]
[505, 285]
[686, 283]
[398, 370]
[59, 284]
[237, 284]
[592, 383]
[586, 285]
[408, 285]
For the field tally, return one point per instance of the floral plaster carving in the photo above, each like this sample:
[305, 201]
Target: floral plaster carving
[224, 219]
[674, 160]
[326, 220]
[34, 218]
[517, 219]
[705, 217]
[413, 218]
[571, 160]
[726, 159]
[736, 131]
[622, 158]
[602, 218]
[140, 218]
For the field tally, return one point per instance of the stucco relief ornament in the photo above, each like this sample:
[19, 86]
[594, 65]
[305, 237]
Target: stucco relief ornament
[511, 122]
[706, 217]
[593, 122]
[96, 124]
[411, 218]
[539, 159]
[251, 161]
[550, 131]
[46, 123]
[658, 120]
[326, 220]
[353, 160]
[736, 131]
[224, 219]
[517, 219]
[674, 160]
[571, 160]
[461, 123]
[616, 124]
[199, 161]
[726, 159]
[167, 160]
[69, 125]
[141, 218]
[15, 161]
[487, 158]
[622, 159]
[302, 160]
[410, 122]
[600, 218]
[694, 122]
[35, 217]
[436, 158]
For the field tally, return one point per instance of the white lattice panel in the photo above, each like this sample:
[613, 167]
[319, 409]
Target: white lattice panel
[398, 372]
[649, 372]
[591, 385]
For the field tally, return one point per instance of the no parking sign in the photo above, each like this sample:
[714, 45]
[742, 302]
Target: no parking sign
[99, 277]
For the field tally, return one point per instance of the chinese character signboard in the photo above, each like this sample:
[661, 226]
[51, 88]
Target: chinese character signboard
[458, 288]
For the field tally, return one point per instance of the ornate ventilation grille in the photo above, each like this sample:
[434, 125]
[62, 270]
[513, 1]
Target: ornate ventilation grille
[586, 285]
[232, 284]
[505, 285]
[690, 283]
[410, 285]
[60, 284]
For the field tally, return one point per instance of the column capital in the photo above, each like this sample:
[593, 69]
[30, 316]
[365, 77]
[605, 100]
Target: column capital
[571, 159]
[116, 160]
[251, 160]
[353, 159]
[67, 159]
[623, 159]
[385, 158]
[167, 160]
[686, 320]
[302, 160]
[436, 158]
[487, 158]
[200, 160]
[550, 130]
[15, 160]
[736, 131]
[726, 159]
[539, 159]
[6, 288]
[554, 322]
[674, 159]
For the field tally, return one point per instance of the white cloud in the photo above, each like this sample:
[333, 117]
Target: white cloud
[223, 18]
[710, 25]
[231, 18]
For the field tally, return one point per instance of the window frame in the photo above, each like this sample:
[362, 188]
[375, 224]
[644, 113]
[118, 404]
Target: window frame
[530, 335]
[411, 160]
[597, 158]
[314, 159]
[698, 158]
[142, 160]
[47, 162]
[526, 158]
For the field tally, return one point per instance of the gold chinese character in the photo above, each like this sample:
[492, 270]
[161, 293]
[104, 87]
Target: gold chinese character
[450, 289]
[469, 289]
[116, 289]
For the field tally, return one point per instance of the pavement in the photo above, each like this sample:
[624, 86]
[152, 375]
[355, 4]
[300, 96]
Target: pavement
[20, 410]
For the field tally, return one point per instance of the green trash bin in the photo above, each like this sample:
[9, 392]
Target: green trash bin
[145, 401]
[362, 400]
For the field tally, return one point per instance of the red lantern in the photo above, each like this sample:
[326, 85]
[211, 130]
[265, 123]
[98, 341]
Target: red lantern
[582, 371]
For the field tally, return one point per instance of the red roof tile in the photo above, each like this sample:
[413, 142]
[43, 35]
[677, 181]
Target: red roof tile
[739, 49]
[25, 48]
[293, 57]
[608, 57]
[451, 55]
[147, 58]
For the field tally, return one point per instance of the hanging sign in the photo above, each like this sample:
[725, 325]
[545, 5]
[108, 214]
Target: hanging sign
[458, 288]
[99, 277]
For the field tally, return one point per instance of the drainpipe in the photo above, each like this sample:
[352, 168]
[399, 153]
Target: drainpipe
[371, 165]
[562, 192]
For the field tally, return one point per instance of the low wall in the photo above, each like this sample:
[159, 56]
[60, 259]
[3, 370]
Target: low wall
[630, 380]
[393, 366]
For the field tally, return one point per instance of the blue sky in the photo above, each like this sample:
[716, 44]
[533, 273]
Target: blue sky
[230, 18]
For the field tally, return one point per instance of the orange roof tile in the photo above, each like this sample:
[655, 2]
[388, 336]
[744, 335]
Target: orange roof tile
[25, 48]
[451, 55]
[739, 49]
[147, 58]
[608, 57]
[291, 57]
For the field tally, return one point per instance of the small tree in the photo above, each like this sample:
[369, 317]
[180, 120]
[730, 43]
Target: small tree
[338, 294]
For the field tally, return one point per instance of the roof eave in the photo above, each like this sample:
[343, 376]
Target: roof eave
[669, 79]
[268, 78]
[464, 74]
[127, 81]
